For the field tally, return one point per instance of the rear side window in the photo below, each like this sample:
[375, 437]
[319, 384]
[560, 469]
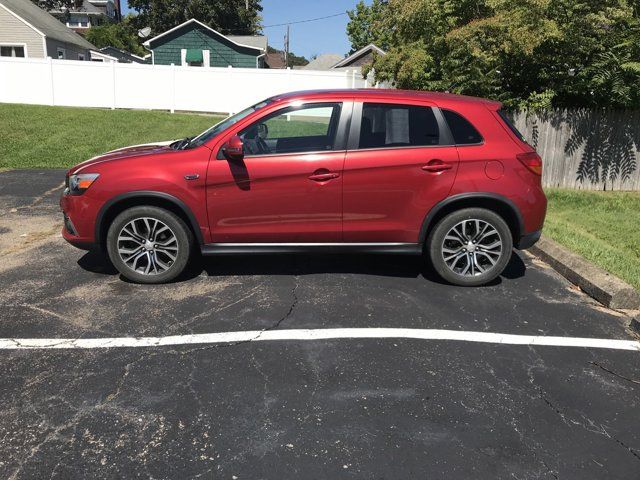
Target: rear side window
[386, 125]
[511, 126]
[463, 132]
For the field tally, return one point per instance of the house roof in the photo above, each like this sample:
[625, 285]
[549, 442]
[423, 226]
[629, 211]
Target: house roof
[44, 23]
[259, 41]
[193, 20]
[120, 54]
[326, 61]
[275, 60]
[103, 55]
[355, 55]
[83, 7]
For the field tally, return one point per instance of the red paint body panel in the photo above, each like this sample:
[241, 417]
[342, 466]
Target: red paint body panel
[387, 194]
[271, 199]
[122, 172]
[378, 195]
[517, 183]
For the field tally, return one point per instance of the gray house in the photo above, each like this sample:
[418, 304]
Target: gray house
[84, 14]
[28, 31]
[121, 56]
[355, 61]
[362, 57]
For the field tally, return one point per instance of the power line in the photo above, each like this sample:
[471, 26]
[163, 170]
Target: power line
[305, 21]
[230, 31]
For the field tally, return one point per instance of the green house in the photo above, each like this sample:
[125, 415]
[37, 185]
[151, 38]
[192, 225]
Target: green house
[192, 43]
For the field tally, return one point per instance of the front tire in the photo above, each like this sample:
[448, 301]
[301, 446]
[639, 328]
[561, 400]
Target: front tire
[470, 247]
[149, 244]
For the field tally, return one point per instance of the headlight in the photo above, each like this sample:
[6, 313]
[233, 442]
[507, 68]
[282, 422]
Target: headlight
[78, 184]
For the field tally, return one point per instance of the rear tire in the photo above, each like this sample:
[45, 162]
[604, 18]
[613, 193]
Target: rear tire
[149, 244]
[470, 247]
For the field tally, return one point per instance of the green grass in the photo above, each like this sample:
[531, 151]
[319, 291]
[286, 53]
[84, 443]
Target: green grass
[603, 227]
[35, 136]
[296, 128]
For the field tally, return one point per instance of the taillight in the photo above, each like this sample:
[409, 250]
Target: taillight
[532, 161]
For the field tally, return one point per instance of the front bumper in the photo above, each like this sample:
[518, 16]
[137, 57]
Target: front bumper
[76, 229]
[528, 240]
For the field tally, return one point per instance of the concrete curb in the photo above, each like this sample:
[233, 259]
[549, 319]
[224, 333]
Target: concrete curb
[604, 287]
[635, 323]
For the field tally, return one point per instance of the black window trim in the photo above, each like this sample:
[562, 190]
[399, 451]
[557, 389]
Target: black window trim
[512, 128]
[346, 113]
[445, 140]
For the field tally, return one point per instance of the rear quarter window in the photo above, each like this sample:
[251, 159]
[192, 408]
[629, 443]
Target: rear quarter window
[464, 133]
[507, 121]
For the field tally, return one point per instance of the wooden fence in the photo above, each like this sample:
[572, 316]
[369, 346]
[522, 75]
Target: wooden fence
[585, 149]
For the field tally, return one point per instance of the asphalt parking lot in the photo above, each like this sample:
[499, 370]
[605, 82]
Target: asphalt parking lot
[382, 408]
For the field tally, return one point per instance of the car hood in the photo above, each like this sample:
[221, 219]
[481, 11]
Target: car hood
[124, 153]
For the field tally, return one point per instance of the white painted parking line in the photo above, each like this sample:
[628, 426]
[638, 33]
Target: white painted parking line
[315, 334]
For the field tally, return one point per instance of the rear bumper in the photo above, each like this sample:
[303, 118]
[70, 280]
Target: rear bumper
[528, 240]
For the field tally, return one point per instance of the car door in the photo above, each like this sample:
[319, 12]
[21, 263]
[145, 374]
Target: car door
[400, 162]
[288, 186]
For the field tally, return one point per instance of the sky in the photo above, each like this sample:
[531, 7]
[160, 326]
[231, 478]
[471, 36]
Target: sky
[310, 38]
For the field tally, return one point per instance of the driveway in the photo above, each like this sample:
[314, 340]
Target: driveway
[254, 406]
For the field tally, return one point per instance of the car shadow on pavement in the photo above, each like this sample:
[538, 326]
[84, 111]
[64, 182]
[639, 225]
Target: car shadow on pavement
[302, 264]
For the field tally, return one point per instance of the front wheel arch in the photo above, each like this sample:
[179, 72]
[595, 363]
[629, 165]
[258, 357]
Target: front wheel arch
[120, 203]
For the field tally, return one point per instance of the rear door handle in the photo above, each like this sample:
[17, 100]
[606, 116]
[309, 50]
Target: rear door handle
[436, 166]
[323, 177]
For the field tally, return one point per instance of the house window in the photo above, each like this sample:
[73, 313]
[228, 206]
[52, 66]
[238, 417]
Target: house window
[62, 53]
[81, 56]
[78, 21]
[194, 57]
[12, 51]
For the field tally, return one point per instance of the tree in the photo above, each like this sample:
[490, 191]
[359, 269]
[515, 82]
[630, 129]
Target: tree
[120, 35]
[225, 16]
[57, 5]
[294, 60]
[365, 25]
[522, 52]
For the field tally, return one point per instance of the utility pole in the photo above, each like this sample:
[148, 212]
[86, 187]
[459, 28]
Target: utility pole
[286, 49]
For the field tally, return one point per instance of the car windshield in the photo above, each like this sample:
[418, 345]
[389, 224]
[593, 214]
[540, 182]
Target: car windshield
[224, 124]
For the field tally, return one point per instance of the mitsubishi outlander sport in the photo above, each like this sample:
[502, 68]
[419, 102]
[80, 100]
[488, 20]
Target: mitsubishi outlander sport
[372, 170]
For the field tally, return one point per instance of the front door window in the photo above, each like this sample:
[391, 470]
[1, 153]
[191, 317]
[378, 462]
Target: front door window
[296, 129]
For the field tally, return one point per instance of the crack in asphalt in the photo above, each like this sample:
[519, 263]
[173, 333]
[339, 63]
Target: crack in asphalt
[150, 354]
[600, 430]
[631, 450]
[596, 364]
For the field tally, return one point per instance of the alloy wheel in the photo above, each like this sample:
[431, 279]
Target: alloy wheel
[148, 246]
[472, 247]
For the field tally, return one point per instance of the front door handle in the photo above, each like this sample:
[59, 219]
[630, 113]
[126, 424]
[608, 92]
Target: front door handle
[436, 166]
[323, 177]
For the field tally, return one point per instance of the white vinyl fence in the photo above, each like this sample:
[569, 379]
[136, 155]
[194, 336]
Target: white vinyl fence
[158, 87]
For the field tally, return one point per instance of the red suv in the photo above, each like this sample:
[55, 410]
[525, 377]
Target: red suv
[377, 171]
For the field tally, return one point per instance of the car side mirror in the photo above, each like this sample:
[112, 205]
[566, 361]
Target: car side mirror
[234, 149]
